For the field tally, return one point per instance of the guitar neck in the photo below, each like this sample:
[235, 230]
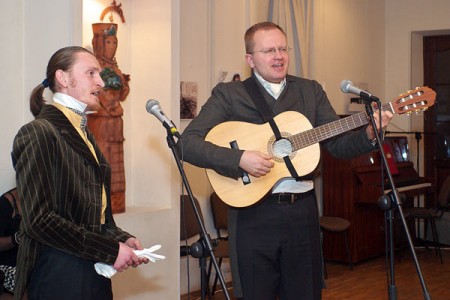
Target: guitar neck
[309, 137]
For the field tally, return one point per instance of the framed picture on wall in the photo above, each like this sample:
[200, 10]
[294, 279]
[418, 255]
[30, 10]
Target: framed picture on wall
[188, 99]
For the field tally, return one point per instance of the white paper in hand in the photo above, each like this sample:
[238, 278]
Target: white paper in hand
[108, 271]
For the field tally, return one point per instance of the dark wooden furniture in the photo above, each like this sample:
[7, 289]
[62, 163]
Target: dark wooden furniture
[351, 189]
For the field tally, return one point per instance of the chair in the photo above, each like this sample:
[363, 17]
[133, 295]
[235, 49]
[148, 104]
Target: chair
[190, 228]
[188, 220]
[336, 224]
[220, 219]
[430, 215]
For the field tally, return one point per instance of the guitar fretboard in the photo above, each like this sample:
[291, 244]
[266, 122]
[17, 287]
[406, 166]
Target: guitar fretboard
[310, 137]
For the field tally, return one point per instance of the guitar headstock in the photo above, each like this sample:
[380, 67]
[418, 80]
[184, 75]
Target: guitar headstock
[417, 100]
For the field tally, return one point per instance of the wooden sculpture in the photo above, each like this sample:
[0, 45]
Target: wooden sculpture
[107, 124]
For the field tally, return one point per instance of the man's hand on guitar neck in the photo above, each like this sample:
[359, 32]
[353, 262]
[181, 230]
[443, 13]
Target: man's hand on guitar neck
[386, 117]
[255, 163]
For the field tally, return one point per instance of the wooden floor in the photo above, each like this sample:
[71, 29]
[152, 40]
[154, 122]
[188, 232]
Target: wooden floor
[368, 280]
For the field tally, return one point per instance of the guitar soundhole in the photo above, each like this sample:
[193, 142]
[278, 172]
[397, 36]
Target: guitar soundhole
[281, 148]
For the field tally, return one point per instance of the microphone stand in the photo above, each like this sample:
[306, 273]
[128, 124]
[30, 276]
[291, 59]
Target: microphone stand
[197, 250]
[387, 202]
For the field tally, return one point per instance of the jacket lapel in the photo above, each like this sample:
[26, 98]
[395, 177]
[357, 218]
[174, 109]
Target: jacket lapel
[67, 131]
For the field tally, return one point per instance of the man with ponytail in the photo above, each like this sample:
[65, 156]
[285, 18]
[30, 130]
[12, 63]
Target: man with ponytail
[64, 182]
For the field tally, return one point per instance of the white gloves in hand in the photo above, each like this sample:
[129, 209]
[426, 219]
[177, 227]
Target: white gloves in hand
[108, 271]
[148, 253]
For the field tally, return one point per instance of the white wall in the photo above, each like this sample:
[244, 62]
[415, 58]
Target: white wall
[349, 44]
[11, 85]
[26, 49]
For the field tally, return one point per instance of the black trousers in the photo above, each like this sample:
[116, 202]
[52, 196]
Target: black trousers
[59, 275]
[278, 250]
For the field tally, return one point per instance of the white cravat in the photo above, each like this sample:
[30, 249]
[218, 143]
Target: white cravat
[69, 102]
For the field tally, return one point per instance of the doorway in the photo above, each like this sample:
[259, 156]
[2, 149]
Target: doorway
[436, 56]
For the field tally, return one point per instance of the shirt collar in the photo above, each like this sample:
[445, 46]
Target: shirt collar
[274, 89]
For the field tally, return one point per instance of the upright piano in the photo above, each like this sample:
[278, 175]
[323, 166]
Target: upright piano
[351, 189]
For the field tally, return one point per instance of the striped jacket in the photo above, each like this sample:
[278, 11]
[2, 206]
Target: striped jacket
[60, 186]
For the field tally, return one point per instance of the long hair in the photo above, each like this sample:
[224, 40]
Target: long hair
[63, 59]
[248, 37]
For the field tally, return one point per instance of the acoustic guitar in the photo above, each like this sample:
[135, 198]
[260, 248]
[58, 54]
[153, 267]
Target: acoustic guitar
[299, 140]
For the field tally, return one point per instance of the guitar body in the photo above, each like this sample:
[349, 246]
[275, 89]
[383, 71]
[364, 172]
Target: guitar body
[261, 138]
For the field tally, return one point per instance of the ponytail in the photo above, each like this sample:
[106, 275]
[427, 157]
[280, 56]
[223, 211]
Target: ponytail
[37, 100]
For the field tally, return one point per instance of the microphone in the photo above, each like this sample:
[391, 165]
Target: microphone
[348, 87]
[153, 107]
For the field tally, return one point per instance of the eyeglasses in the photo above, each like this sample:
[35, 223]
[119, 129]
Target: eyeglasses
[273, 51]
